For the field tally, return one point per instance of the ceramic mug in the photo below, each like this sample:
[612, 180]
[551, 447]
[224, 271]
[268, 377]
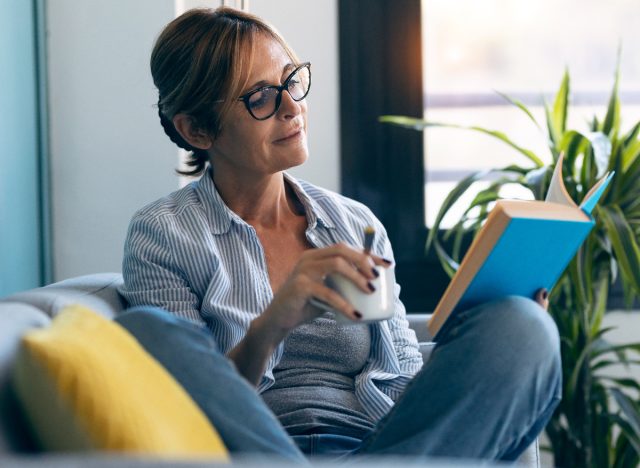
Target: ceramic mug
[378, 305]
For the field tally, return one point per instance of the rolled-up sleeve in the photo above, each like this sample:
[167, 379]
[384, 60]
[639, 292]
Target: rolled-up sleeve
[151, 275]
[405, 343]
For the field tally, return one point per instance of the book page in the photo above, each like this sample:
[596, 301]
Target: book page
[592, 197]
[557, 192]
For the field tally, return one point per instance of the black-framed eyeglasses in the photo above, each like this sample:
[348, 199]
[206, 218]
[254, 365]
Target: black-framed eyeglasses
[264, 102]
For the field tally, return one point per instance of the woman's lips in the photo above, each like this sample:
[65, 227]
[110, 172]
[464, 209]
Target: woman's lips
[290, 137]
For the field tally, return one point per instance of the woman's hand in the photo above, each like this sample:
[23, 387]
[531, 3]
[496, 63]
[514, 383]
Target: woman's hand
[290, 306]
[542, 298]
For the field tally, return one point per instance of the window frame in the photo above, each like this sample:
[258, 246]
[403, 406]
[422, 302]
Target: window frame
[382, 166]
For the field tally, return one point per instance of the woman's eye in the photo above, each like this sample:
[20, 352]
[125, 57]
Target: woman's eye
[261, 98]
[294, 83]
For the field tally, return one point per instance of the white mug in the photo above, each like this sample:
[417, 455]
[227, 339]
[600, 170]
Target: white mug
[378, 305]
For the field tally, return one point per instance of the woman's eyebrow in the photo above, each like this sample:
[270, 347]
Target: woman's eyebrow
[259, 84]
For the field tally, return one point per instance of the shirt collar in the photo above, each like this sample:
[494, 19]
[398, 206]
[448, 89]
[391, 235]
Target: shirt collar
[221, 216]
[312, 208]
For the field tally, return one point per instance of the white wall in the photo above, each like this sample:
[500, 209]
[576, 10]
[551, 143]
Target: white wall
[109, 155]
[311, 28]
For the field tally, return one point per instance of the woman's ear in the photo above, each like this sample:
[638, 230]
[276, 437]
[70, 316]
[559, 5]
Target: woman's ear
[191, 133]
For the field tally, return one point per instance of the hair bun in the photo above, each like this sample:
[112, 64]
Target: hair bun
[172, 133]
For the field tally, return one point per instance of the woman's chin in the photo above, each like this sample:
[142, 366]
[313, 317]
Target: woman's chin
[295, 158]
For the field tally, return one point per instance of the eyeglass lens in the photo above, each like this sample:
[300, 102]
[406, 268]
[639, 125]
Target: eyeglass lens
[264, 102]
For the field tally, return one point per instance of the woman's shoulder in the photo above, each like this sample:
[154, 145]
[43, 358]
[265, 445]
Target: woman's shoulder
[172, 205]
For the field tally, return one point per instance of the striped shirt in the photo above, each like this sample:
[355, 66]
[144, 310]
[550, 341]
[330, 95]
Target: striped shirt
[191, 255]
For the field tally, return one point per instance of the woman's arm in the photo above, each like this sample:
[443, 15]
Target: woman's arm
[151, 276]
[290, 308]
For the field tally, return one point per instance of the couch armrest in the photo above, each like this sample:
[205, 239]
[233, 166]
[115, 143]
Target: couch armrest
[98, 291]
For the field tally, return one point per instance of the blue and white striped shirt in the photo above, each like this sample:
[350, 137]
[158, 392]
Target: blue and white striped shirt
[190, 254]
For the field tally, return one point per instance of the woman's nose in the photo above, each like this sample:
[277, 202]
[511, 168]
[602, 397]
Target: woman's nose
[289, 107]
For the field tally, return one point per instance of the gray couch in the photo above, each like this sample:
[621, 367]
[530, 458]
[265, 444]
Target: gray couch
[34, 308]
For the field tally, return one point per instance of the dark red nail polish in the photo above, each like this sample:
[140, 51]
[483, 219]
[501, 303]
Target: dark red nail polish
[388, 262]
[371, 287]
[375, 272]
[357, 314]
[545, 294]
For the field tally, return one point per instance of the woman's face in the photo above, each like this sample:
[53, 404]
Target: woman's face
[263, 146]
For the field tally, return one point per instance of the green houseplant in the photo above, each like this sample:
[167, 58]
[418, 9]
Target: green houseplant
[598, 421]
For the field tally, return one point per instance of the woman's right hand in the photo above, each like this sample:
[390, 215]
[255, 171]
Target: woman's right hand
[290, 306]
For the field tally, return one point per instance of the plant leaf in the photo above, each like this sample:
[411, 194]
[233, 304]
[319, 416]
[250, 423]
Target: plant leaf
[611, 123]
[630, 383]
[520, 106]
[624, 244]
[554, 137]
[607, 348]
[601, 151]
[413, 123]
[421, 124]
[630, 153]
[451, 199]
[628, 409]
[560, 105]
[632, 135]
[628, 431]
[504, 138]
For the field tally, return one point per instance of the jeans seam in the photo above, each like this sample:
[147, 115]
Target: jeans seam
[385, 420]
[459, 318]
[550, 406]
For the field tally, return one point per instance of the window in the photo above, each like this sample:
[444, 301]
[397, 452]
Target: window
[518, 47]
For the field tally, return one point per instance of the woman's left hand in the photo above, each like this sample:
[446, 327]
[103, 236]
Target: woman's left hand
[542, 298]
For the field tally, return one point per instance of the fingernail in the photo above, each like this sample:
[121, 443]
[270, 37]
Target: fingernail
[357, 314]
[545, 294]
[371, 287]
[388, 262]
[375, 272]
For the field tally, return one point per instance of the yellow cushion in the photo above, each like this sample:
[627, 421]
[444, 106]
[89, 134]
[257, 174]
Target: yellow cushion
[86, 384]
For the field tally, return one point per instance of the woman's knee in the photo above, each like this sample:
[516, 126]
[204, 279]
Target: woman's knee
[145, 316]
[153, 324]
[525, 317]
[527, 330]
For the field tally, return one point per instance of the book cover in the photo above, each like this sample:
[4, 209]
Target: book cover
[522, 247]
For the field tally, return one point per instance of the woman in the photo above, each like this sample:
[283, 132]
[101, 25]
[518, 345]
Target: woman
[241, 252]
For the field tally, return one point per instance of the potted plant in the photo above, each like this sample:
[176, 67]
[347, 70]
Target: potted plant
[597, 424]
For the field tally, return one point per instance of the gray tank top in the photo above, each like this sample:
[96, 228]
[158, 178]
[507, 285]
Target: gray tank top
[314, 389]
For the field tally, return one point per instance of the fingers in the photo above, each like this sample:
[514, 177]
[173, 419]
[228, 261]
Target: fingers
[357, 258]
[381, 261]
[338, 265]
[542, 298]
[362, 261]
[335, 302]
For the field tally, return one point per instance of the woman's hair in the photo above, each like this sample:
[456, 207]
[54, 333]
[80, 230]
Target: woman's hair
[200, 64]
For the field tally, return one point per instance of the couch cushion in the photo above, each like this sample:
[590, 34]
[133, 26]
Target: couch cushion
[98, 292]
[15, 320]
[418, 323]
[86, 384]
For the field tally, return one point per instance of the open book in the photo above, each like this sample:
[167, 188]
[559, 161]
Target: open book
[522, 247]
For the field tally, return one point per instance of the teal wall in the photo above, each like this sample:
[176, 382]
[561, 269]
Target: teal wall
[20, 227]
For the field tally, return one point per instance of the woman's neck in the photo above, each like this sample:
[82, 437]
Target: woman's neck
[262, 201]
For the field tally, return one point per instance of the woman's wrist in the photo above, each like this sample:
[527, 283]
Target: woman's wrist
[267, 331]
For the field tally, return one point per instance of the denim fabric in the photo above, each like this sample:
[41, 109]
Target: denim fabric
[490, 386]
[327, 445]
[487, 391]
[233, 406]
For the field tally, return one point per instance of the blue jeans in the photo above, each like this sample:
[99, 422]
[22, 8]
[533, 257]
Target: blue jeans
[487, 391]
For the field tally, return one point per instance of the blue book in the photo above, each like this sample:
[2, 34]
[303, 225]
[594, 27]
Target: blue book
[522, 247]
